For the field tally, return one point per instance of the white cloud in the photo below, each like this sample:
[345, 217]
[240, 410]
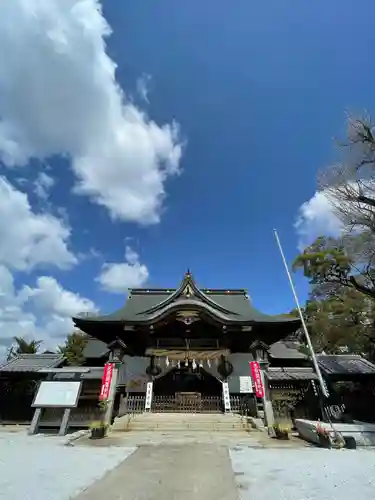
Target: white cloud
[28, 239]
[119, 277]
[316, 218]
[42, 312]
[43, 185]
[143, 87]
[49, 296]
[59, 95]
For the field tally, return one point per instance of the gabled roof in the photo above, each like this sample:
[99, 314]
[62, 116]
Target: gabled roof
[30, 363]
[148, 305]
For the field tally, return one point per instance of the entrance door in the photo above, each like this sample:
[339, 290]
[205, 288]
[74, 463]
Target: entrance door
[187, 390]
[186, 379]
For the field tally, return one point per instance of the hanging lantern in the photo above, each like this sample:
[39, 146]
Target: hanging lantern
[167, 361]
[225, 367]
[200, 363]
[152, 370]
[178, 364]
[186, 362]
[194, 365]
[209, 363]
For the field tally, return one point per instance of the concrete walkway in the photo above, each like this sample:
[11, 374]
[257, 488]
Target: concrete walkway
[169, 472]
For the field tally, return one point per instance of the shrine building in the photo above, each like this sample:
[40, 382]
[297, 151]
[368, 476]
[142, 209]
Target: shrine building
[190, 342]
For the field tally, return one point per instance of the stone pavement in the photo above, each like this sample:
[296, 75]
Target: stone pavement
[169, 472]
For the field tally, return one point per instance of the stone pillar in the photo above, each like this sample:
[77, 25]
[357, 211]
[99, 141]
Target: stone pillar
[116, 357]
[260, 353]
[267, 403]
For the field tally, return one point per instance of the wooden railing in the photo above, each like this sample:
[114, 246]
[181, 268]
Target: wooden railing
[186, 403]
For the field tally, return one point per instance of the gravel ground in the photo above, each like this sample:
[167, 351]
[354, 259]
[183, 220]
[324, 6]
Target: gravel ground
[41, 468]
[304, 474]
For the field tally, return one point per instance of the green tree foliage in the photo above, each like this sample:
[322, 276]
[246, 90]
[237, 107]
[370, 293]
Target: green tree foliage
[22, 346]
[73, 348]
[341, 323]
[350, 187]
[332, 263]
[341, 271]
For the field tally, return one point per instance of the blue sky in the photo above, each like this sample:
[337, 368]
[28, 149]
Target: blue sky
[258, 91]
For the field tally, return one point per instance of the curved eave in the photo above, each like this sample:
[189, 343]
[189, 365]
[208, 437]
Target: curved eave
[190, 304]
[196, 305]
[81, 323]
[112, 319]
[187, 281]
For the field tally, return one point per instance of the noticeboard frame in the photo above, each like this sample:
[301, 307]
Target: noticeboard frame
[250, 382]
[78, 384]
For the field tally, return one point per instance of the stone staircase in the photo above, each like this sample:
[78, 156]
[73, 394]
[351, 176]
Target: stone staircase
[182, 422]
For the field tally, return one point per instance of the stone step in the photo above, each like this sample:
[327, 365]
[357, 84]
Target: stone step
[183, 417]
[189, 416]
[196, 428]
[228, 425]
[184, 422]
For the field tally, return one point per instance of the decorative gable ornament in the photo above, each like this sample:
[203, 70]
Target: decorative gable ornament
[187, 317]
[187, 291]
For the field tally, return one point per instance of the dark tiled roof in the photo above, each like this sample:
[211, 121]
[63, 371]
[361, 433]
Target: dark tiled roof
[285, 350]
[145, 305]
[32, 362]
[345, 364]
[276, 373]
[95, 349]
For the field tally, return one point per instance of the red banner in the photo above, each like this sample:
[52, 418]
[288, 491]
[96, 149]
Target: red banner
[256, 375]
[106, 381]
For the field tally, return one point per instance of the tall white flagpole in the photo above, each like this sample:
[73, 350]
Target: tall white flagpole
[313, 356]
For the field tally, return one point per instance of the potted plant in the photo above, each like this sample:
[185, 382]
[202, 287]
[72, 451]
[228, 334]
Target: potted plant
[323, 436]
[99, 427]
[338, 441]
[282, 431]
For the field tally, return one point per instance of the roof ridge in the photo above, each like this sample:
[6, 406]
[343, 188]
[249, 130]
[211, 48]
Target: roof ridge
[146, 290]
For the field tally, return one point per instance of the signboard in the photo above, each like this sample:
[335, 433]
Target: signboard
[226, 396]
[257, 379]
[246, 386]
[64, 394]
[106, 381]
[285, 394]
[148, 396]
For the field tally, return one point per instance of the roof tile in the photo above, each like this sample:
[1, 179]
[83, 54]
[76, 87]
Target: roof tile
[32, 362]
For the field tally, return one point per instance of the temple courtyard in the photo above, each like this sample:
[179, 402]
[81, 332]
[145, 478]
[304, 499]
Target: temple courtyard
[136, 466]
